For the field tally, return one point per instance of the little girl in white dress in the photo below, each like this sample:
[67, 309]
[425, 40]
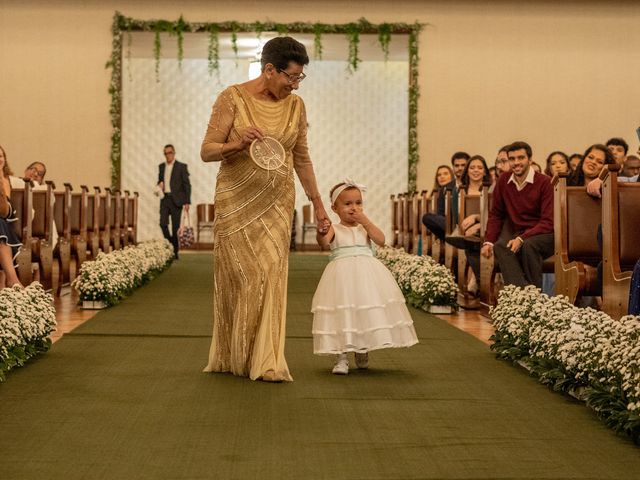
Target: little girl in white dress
[357, 306]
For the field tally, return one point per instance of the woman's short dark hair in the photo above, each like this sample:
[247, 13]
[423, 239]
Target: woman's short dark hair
[279, 51]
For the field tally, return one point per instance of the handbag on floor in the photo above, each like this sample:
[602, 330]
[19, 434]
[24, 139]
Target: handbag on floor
[185, 232]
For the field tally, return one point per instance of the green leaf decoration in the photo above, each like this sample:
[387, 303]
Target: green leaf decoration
[122, 24]
[318, 30]
[353, 35]
[213, 54]
[157, 47]
[384, 38]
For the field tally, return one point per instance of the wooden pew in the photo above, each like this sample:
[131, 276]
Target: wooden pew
[122, 219]
[620, 241]
[93, 222]
[424, 233]
[576, 216]
[395, 229]
[450, 252]
[467, 205]
[104, 210]
[487, 285]
[400, 215]
[41, 218]
[437, 248]
[62, 247]
[77, 234]
[21, 201]
[113, 218]
[132, 219]
[407, 214]
[416, 216]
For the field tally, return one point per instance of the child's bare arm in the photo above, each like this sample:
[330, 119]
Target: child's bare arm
[374, 233]
[325, 239]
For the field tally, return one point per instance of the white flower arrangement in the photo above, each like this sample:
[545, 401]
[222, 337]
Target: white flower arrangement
[574, 349]
[423, 281]
[27, 317]
[112, 276]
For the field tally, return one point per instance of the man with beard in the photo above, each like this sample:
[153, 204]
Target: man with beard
[520, 226]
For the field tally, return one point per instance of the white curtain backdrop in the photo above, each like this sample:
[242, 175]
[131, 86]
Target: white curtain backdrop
[357, 128]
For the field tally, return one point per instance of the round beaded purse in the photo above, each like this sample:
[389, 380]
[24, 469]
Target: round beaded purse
[267, 153]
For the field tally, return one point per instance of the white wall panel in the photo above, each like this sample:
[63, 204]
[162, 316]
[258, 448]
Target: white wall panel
[357, 129]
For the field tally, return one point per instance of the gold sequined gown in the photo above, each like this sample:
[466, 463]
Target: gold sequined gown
[252, 232]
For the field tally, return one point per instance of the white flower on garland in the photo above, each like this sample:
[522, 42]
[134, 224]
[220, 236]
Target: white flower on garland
[422, 280]
[27, 317]
[590, 348]
[112, 276]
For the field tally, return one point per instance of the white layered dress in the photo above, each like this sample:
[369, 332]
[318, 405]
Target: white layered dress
[358, 306]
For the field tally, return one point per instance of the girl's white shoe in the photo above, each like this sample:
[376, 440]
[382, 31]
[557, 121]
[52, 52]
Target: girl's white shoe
[342, 365]
[362, 360]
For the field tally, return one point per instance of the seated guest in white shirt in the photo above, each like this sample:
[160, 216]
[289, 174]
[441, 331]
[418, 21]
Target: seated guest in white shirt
[34, 172]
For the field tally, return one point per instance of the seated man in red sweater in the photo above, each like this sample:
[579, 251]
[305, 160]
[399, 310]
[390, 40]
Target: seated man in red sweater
[523, 204]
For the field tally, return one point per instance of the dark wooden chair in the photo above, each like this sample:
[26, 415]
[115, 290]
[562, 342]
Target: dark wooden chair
[416, 216]
[112, 214]
[577, 253]
[467, 205]
[104, 212]
[450, 252]
[488, 271]
[132, 219]
[620, 241]
[308, 225]
[41, 233]
[62, 247]
[77, 224]
[93, 221]
[407, 223]
[121, 219]
[425, 237]
[395, 222]
[437, 249]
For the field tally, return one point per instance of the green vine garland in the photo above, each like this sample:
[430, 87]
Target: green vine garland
[213, 54]
[122, 25]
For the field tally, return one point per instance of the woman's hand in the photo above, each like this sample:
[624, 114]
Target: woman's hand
[470, 220]
[322, 220]
[249, 135]
[473, 230]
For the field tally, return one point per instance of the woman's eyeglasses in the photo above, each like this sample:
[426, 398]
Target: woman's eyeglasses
[37, 173]
[292, 78]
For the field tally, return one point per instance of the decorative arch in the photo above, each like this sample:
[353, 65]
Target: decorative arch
[125, 25]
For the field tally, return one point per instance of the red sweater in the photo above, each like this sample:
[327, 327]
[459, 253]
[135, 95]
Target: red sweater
[530, 210]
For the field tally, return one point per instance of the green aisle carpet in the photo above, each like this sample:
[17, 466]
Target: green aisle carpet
[123, 397]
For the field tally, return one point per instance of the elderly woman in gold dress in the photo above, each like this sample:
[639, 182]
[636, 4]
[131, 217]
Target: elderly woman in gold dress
[254, 211]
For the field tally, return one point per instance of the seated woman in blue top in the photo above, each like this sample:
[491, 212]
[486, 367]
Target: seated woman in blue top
[9, 241]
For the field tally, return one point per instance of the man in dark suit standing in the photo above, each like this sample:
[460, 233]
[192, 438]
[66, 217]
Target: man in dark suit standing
[173, 182]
